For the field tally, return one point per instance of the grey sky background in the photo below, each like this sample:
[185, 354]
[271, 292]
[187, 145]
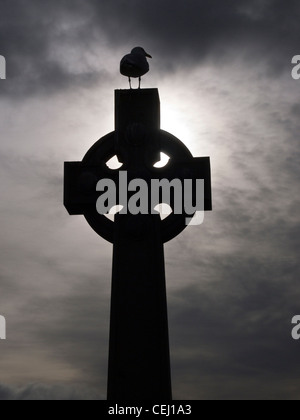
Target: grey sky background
[223, 70]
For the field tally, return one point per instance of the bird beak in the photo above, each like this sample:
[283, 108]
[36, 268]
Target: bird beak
[148, 55]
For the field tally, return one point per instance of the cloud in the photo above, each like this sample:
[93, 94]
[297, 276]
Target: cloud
[29, 34]
[51, 46]
[41, 392]
[224, 69]
[234, 332]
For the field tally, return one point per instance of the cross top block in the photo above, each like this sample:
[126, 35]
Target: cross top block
[137, 142]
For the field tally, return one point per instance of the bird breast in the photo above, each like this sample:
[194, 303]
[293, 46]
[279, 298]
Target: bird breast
[134, 65]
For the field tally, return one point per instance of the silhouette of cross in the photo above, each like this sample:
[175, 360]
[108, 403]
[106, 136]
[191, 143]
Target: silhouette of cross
[139, 359]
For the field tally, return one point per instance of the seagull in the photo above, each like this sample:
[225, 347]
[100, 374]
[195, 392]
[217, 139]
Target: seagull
[135, 64]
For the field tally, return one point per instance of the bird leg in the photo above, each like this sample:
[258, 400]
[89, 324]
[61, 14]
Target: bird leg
[130, 82]
[140, 82]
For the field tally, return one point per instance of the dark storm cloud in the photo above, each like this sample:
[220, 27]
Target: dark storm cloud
[232, 325]
[237, 335]
[199, 29]
[27, 31]
[178, 34]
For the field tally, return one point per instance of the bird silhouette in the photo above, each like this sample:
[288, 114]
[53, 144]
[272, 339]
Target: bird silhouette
[135, 64]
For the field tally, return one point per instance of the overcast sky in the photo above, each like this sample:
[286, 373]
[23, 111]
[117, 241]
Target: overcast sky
[223, 70]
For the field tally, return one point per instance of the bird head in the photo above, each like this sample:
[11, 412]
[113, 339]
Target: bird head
[141, 51]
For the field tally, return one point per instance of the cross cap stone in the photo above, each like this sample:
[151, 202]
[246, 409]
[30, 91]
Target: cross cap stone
[137, 120]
